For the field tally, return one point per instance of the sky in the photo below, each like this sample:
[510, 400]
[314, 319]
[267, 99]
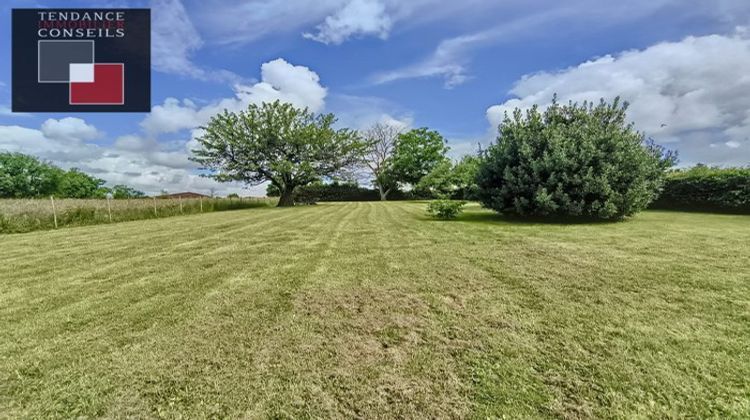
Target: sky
[456, 67]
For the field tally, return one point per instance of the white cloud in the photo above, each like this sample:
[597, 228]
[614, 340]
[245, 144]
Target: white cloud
[280, 80]
[448, 60]
[69, 129]
[333, 21]
[170, 117]
[686, 93]
[358, 17]
[175, 40]
[297, 85]
[452, 56]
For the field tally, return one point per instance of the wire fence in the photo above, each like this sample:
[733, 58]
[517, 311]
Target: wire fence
[26, 215]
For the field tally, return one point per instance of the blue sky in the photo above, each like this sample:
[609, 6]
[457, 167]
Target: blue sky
[454, 67]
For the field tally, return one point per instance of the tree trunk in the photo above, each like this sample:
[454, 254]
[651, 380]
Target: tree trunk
[383, 193]
[287, 198]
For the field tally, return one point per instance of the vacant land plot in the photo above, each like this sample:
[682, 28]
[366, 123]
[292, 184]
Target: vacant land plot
[374, 310]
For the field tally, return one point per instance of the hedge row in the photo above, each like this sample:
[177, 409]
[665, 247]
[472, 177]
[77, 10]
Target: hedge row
[704, 188]
[347, 192]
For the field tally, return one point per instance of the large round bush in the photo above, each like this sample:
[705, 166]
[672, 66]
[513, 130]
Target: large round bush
[572, 160]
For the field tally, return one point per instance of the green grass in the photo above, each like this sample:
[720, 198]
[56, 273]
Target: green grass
[375, 310]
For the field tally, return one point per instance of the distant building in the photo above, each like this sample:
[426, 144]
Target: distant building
[187, 194]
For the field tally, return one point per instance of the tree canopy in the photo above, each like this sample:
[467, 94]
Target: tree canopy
[417, 153]
[452, 180]
[278, 143]
[381, 140]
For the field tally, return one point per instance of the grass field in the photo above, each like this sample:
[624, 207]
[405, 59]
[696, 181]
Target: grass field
[374, 310]
[27, 215]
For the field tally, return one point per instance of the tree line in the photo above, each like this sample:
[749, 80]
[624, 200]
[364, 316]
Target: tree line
[579, 160]
[291, 148]
[572, 160]
[24, 176]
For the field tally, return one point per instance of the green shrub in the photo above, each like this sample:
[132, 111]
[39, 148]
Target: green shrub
[571, 161]
[704, 188]
[445, 209]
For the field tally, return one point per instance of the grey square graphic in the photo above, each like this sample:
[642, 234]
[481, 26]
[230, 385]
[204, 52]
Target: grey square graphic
[55, 58]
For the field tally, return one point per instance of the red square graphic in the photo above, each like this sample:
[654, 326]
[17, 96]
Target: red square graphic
[108, 87]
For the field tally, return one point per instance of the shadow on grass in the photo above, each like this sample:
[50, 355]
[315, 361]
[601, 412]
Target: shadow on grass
[703, 210]
[493, 218]
[488, 217]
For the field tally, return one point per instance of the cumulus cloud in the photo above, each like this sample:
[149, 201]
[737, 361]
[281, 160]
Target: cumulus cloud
[69, 129]
[280, 80]
[358, 17]
[687, 94]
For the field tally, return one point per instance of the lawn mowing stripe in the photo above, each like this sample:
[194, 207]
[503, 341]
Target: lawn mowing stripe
[375, 310]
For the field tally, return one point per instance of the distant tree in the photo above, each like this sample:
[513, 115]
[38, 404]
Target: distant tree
[272, 191]
[381, 140]
[77, 184]
[439, 182]
[417, 153]
[465, 177]
[278, 143]
[23, 176]
[123, 191]
[454, 180]
[572, 160]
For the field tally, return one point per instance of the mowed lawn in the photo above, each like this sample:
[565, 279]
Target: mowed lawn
[374, 310]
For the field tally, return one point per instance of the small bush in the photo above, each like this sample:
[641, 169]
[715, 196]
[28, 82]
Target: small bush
[445, 209]
[704, 188]
[580, 161]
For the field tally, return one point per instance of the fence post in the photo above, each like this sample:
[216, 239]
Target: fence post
[201, 204]
[155, 214]
[54, 211]
[109, 208]
[179, 198]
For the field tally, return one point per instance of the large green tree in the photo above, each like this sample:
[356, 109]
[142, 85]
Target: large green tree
[417, 153]
[277, 143]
